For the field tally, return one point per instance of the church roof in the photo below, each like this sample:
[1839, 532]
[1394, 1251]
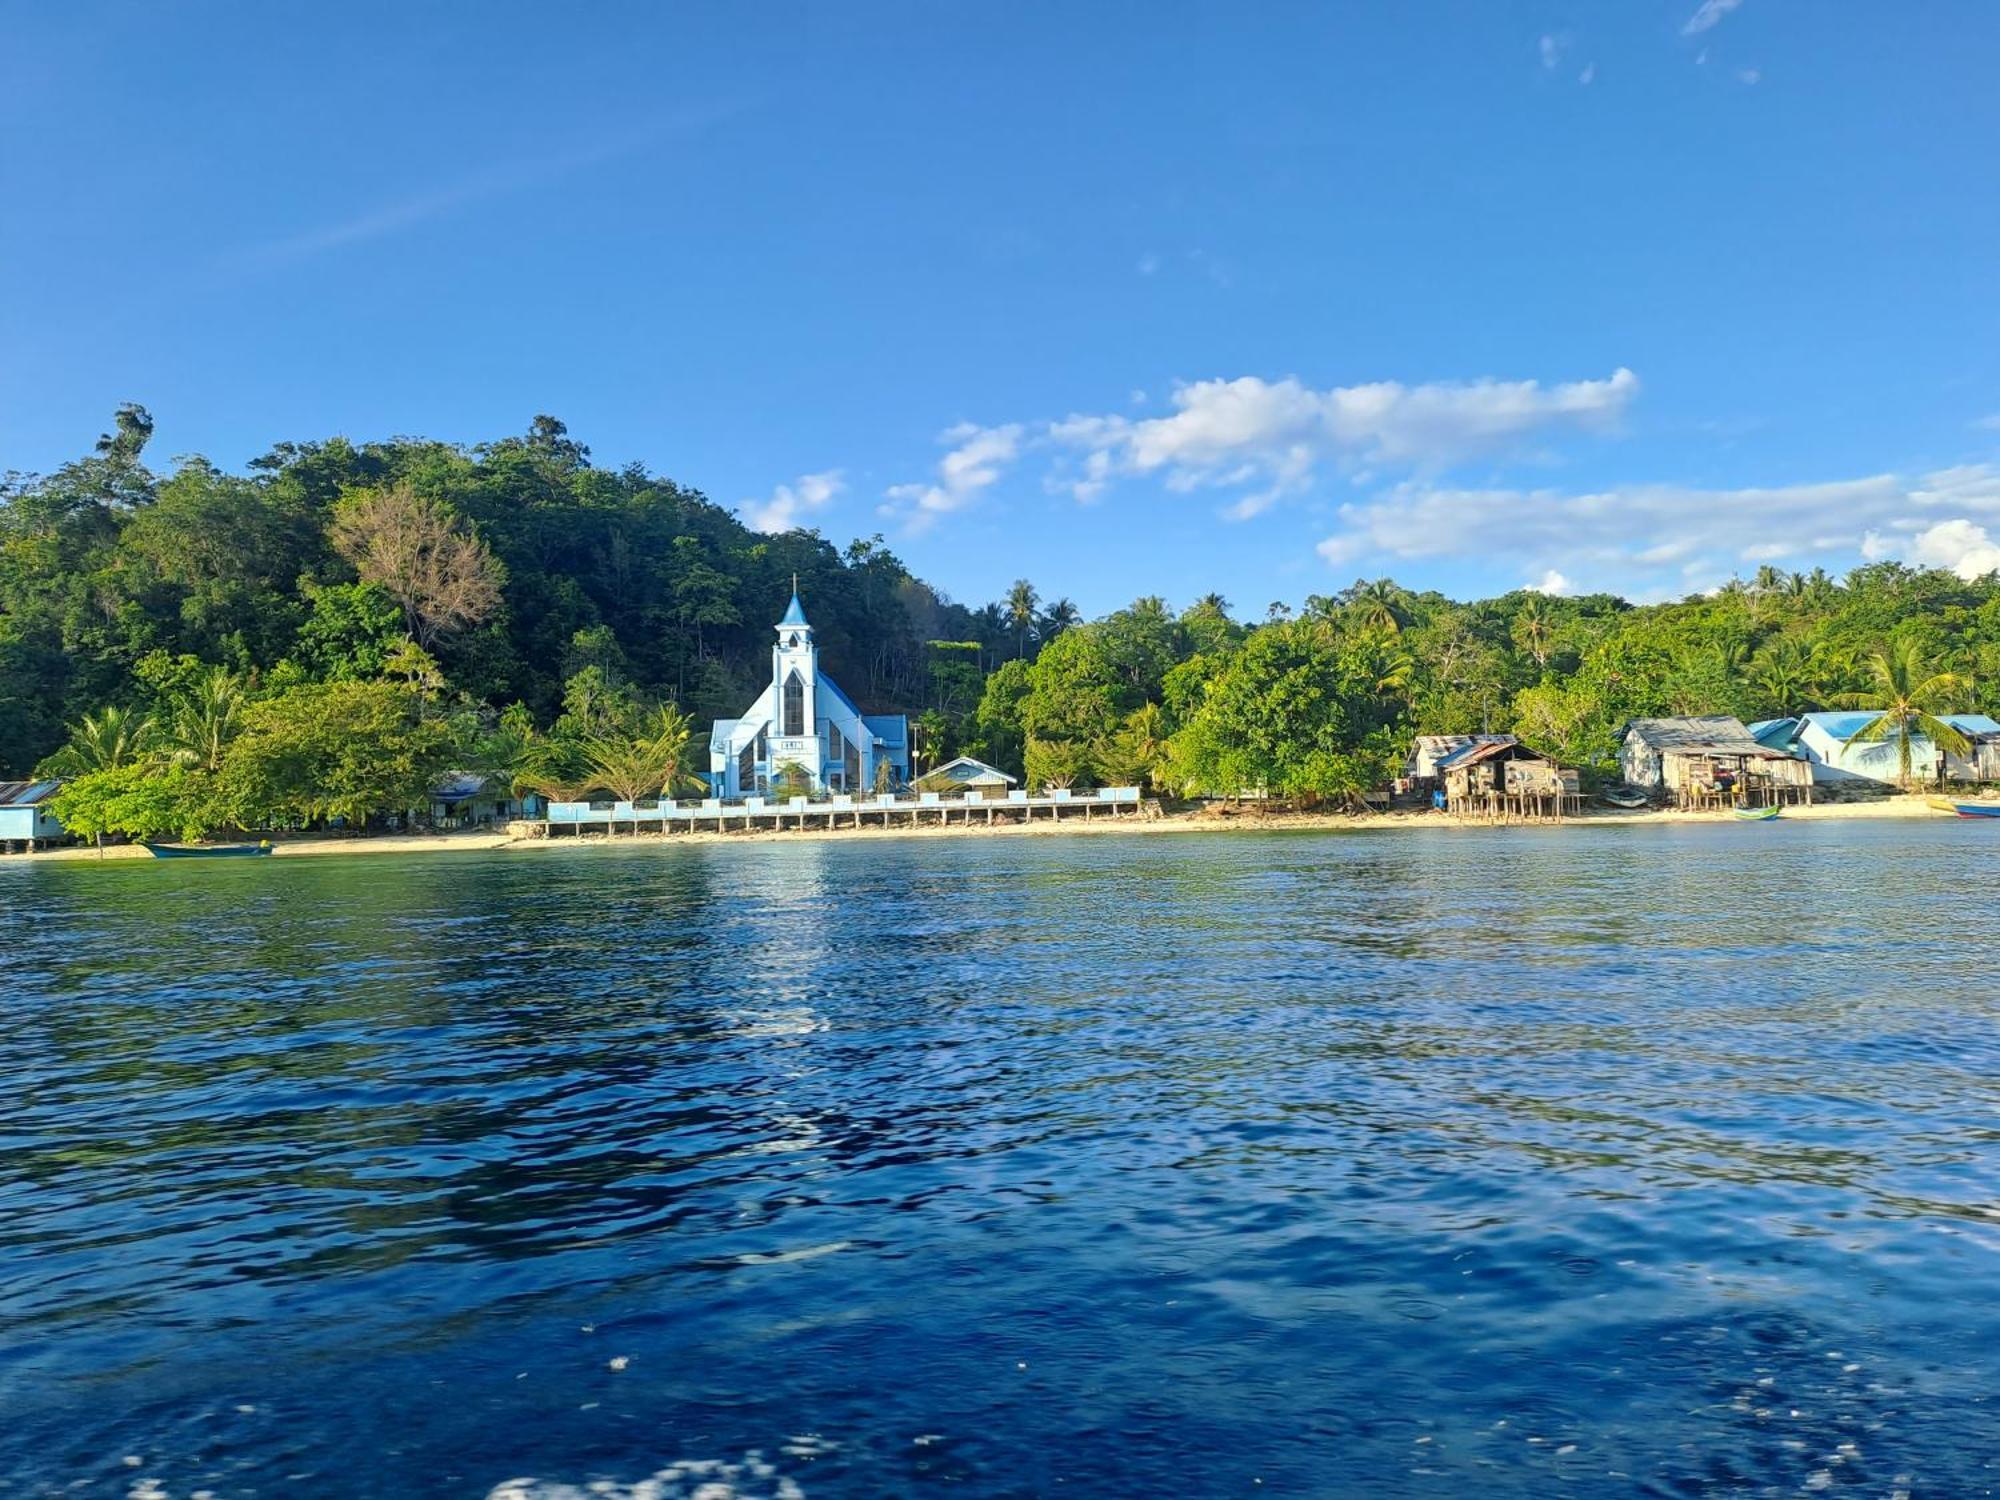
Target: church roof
[796, 614]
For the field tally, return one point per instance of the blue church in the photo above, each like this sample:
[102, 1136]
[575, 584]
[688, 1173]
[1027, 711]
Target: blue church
[804, 718]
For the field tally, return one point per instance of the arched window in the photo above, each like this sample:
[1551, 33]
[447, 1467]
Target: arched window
[746, 768]
[795, 705]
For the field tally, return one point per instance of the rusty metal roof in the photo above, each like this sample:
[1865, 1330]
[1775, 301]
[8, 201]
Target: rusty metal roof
[1485, 749]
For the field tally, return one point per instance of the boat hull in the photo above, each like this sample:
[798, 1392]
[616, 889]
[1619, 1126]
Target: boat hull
[1757, 814]
[1967, 809]
[220, 851]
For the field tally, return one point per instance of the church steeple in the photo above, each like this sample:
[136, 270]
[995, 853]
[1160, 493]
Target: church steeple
[795, 679]
[796, 613]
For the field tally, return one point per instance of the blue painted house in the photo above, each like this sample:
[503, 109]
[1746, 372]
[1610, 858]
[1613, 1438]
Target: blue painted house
[24, 814]
[1821, 739]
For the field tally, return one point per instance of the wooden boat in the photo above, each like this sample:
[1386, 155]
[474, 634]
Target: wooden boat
[1966, 809]
[1757, 814]
[209, 851]
[1624, 796]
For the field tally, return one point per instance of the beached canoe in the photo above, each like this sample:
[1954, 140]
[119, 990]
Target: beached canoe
[1966, 809]
[1757, 814]
[1624, 796]
[211, 851]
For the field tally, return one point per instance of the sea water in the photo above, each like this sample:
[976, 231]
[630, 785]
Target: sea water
[1512, 1162]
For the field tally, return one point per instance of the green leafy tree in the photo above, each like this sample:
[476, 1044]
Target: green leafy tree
[337, 750]
[139, 802]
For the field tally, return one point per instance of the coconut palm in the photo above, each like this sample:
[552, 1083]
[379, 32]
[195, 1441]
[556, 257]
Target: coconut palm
[1021, 602]
[643, 762]
[105, 741]
[206, 719]
[1058, 617]
[1906, 699]
[1381, 605]
[1533, 627]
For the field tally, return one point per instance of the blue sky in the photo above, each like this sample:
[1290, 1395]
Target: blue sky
[1122, 298]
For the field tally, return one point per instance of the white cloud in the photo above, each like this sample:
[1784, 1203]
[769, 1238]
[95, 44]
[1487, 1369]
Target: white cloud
[1709, 13]
[1268, 438]
[977, 459]
[1961, 546]
[1550, 582]
[1552, 51]
[1149, 264]
[1748, 75]
[790, 504]
[1989, 424]
[1588, 75]
[1642, 537]
[1974, 487]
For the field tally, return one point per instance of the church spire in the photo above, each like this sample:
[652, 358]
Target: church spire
[796, 614]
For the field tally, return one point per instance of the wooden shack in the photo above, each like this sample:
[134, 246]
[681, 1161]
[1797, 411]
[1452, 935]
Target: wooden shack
[1710, 762]
[1505, 781]
[1420, 766]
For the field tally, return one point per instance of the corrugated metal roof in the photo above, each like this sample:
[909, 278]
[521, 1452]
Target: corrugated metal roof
[1485, 747]
[27, 793]
[1719, 732]
[1844, 725]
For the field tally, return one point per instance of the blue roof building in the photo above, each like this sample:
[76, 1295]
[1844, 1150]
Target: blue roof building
[24, 813]
[803, 718]
[1822, 739]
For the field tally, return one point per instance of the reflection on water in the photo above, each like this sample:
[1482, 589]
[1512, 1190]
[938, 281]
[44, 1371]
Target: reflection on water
[1654, 1160]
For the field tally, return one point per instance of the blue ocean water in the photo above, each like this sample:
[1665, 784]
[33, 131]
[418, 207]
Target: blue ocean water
[1611, 1161]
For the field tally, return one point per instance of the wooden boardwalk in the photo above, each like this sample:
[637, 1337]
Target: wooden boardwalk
[908, 810]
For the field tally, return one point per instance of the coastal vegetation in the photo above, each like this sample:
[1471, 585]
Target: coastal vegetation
[325, 636]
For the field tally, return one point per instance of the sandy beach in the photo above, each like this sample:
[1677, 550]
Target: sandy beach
[1211, 820]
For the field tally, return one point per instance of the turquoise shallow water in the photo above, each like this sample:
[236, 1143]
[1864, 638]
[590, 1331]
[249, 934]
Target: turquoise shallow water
[1610, 1161]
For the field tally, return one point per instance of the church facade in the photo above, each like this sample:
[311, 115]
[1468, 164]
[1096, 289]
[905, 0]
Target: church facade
[803, 718]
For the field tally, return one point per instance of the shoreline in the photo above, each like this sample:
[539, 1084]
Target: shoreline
[1249, 820]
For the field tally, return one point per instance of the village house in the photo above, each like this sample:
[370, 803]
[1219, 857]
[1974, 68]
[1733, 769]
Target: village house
[1420, 767]
[1498, 777]
[25, 821]
[964, 774]
[803, 719]
[468, 799]
[1710, 761]
[1821, 740]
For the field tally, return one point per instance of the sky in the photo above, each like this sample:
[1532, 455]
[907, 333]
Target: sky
[1121, 298]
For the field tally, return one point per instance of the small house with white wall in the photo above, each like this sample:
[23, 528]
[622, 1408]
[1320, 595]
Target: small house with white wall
[965, 774]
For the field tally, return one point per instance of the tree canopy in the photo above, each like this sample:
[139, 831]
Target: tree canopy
[329, 632]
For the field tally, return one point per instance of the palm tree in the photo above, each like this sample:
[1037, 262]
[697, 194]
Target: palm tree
[206, 718]
[105, 741]
[1139, 749]
[1532, 629]
[1057, 618]
[1381, 605]
[1021, 602]
[1907, 699]
[640, 764]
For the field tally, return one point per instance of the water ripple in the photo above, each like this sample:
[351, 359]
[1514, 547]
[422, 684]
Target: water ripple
[1615, 1161]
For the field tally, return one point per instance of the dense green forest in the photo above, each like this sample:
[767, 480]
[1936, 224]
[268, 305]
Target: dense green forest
[328, 633]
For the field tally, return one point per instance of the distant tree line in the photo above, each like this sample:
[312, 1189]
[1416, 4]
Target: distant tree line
[327, 635]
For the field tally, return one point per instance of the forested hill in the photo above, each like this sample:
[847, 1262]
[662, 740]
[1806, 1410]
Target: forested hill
[560, 565]
[328, 632]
